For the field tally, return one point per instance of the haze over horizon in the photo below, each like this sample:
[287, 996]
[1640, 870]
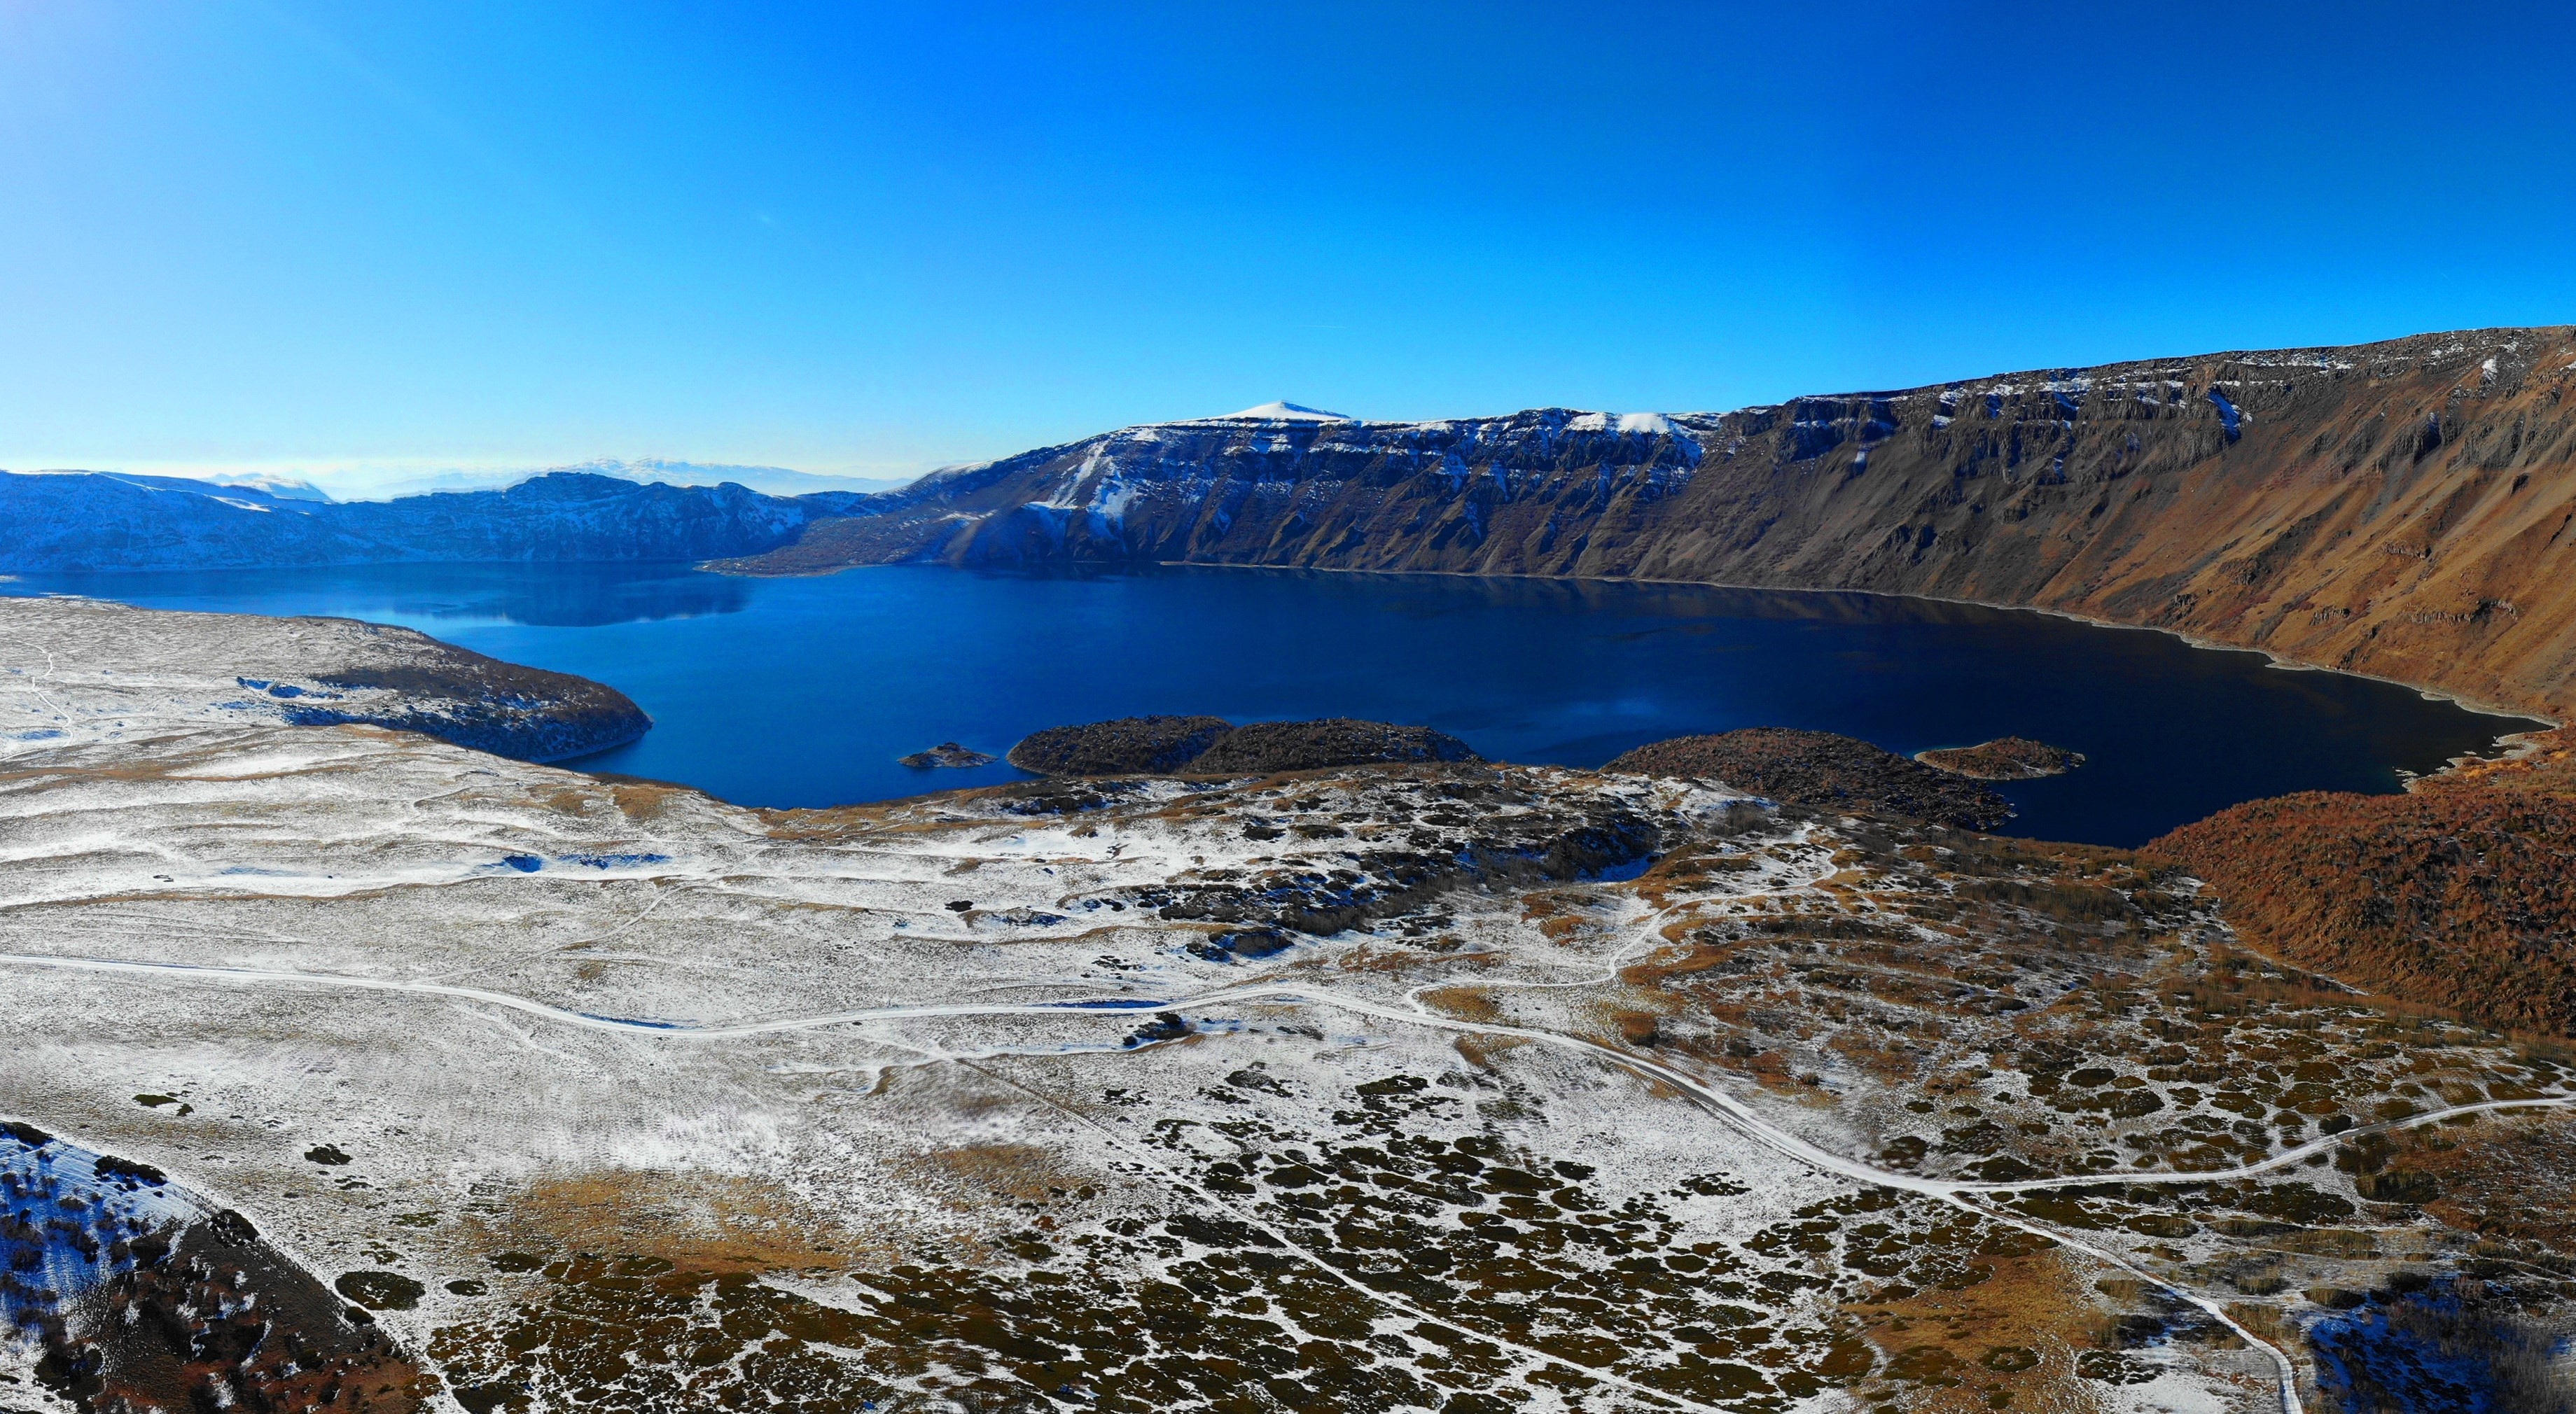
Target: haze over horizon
[281, 237]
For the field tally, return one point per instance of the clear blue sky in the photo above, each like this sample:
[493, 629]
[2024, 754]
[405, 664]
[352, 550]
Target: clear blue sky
[861, 238]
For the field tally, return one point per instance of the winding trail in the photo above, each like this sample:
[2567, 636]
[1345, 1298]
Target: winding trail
[1964, 1195]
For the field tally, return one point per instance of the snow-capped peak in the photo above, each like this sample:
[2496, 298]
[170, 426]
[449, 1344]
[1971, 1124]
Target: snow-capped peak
[1651, 424]
[1284, 412]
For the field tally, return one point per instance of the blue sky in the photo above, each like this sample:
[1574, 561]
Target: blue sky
[870, 239]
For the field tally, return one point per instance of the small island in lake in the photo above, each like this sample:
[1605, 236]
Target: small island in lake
[2006, 758]
[946, 753]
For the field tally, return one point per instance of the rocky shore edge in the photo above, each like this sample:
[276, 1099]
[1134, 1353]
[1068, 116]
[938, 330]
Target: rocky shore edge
[177, 667]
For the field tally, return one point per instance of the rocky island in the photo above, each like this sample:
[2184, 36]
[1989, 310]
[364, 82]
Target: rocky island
[2006, 758]
[948, 754]
[1426, 1083]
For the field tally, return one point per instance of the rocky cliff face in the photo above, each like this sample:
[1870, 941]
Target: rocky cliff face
[2401, 508]
[95, 521]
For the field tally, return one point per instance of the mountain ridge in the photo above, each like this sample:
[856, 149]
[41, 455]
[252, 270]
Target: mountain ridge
[75, 522]
[2401, 509]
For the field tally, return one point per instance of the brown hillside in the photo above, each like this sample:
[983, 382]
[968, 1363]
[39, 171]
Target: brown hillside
[2400, 508]
[2460, 894]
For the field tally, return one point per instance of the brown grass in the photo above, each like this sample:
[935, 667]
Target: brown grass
[2460, 895]
[701, 1222]
[2033, 1303]
[1466, 1003]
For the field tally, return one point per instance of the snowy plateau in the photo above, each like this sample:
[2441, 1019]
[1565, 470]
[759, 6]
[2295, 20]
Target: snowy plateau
[350, 1067]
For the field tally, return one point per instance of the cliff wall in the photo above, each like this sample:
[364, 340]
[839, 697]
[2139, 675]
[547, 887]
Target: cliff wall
[2400, 508]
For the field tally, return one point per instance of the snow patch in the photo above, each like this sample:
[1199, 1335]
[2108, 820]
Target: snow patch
[1283, 412]
[1643, 424]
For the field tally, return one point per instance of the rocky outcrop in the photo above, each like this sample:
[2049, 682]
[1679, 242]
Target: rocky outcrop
[1125, 746]
[1212, 746]
[2405, 508]
[143, 1295]
[77, 522]
[460, 696]
[1820, 768]
[1264, 747]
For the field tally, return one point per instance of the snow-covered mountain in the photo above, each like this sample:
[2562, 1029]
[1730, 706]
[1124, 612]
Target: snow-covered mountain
[364, 484]
[772, 480]
[1284, 484]
[95, 521]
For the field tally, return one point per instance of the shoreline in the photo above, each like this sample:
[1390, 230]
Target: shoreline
[2515, 738]
[2282, 661]
[2515, 745]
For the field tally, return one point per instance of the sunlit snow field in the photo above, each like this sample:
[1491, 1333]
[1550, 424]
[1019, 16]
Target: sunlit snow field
[795, 692]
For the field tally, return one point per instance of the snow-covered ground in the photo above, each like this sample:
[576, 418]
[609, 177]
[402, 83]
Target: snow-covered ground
[1364, 1059]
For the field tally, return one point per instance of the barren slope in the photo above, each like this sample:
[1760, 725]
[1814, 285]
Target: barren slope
[2400, 508]
[2460, 894]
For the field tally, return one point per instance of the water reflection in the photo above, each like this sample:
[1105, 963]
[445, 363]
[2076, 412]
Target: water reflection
[541, 596]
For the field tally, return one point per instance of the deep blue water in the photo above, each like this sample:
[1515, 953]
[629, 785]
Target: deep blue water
[804, 691]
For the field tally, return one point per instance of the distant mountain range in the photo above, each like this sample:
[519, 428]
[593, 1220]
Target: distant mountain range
[72, 522]
[371, 486]
[773, 480]
[2401, 508]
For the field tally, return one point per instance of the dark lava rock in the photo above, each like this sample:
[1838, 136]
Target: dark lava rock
[1166, 1026]
[1129, 746]
[1473, 826]
[1242, 946]
[381, 1291]
[946, 753]
[198, 1315]
[1314, 746]
[1820, 768]
[1063, 795]
[2006, 758]
[1210, 746]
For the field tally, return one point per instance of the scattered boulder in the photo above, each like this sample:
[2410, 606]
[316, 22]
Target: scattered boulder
[1821, 768]
[2006, 758]
[381, 1291]
[1129, 746]
[946, 753]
